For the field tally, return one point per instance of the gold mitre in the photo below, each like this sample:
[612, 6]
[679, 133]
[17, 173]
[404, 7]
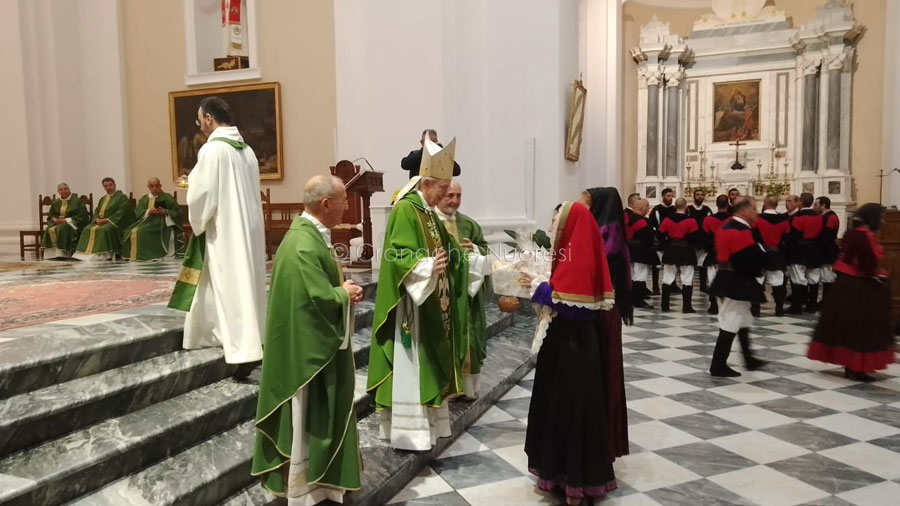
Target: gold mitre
[437, 162]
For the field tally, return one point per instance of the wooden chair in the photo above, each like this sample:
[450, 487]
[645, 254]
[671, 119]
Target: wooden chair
[88, 201]
[44, 204]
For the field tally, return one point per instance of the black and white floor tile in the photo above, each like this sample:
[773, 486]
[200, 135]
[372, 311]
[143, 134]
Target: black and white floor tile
[795, 433]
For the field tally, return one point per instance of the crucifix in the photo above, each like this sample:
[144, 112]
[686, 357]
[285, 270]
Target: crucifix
[737, 165]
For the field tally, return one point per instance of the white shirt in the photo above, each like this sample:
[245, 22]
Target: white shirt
[740, 220]
[770, 211]
[325, 231]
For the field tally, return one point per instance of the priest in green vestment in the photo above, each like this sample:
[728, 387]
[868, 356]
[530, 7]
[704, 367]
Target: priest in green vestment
[468, 233]
[306, 438]
[419, 337]
[102, 239]
[67, 216]
[157, 232]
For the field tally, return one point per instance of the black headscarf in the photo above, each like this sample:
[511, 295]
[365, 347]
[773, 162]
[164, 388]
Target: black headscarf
[606, 206]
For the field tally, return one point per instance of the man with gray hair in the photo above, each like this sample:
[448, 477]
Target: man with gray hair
[65, 219]
[468, 234]
[419, 331]
[308, 373]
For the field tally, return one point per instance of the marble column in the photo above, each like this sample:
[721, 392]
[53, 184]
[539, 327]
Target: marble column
[653, 81]
[833, 149]
[673, 82]
[809, 68]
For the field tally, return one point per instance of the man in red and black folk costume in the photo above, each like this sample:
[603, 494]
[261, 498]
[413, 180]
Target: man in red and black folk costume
[742, 259]
[711, 226]
[659, 213]
[699, 211]
[733, 194]
[773, 228]
[805, 256]
[640, 235]
[680, 235]
[831, 223]
[855, 327]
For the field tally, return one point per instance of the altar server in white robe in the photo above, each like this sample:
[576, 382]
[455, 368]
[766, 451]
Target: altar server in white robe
[224, 206]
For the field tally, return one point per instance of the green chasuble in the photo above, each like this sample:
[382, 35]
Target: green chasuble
[467, 228]
[153, 236]
[413, 233]
[107, 238]
[305, 329]
[63, 236]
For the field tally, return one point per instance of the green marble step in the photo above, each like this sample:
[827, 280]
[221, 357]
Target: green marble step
[387, 471]
[41, 415]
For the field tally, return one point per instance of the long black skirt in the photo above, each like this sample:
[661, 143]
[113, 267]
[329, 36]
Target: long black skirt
[566, 442]
[855, 327]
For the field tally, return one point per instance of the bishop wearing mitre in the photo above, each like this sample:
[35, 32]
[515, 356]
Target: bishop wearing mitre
[419, 334]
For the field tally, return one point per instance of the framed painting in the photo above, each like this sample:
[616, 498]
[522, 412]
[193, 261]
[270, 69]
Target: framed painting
[736, 111]
[256, 111]
[576, 122]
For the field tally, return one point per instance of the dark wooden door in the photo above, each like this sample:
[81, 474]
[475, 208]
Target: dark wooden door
[889, 235]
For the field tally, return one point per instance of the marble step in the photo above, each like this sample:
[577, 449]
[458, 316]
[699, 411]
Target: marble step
[34, 417]
[111, 449]
[36, 361]
[86, 460]
[387, 471]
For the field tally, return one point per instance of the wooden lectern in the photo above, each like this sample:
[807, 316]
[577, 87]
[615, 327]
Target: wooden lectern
[360, 187]
[889, 236]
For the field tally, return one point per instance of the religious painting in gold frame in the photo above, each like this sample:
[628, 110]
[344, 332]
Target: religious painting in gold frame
[736, 111]
[576, 122]
[256, 111]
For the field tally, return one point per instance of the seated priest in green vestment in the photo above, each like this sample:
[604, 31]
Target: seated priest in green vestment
[157, 232]
[306, 438]
[469, 235]
[102, 239]
[66, 218]
[419, 335]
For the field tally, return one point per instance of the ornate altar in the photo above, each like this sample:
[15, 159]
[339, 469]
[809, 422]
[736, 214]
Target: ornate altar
[747, 101]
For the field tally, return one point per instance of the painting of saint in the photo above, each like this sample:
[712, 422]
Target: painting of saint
[256, 109]
[736, 106]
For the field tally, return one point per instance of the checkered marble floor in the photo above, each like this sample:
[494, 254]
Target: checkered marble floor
[796, 433]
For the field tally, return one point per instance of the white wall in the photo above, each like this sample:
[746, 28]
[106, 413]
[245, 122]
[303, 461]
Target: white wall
[891, 141]
[16, 211]
[495, 73]
[65, 87]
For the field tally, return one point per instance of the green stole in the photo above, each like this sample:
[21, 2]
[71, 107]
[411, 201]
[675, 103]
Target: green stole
[305, 328]
[192, 266]
[412, 232]
[477, 324]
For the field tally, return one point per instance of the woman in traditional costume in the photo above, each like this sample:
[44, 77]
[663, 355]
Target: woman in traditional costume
[566, 441]
[606, 207]
[855, 327]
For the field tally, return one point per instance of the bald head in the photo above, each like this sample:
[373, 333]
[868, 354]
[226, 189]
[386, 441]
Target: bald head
[641, 206]
[771, 202]
[680, 204]
[325, 198]
[449, 205]
[154, 186]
